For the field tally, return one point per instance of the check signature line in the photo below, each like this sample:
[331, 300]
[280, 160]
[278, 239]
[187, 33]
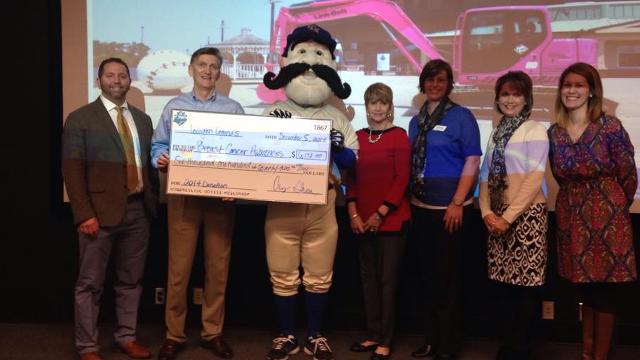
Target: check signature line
[294, 192]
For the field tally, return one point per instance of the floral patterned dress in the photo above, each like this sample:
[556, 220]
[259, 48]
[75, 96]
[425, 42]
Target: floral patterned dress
[598, 179]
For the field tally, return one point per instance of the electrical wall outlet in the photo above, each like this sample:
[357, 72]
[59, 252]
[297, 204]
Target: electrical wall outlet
[159, 299]
[197, 296]
[548, 310]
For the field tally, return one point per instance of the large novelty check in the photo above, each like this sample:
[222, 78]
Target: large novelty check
[249, 157]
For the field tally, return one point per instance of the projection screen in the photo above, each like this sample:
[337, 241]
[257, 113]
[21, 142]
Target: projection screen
[378, 41]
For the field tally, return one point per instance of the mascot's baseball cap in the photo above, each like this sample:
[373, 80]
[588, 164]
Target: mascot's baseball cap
[310, 32]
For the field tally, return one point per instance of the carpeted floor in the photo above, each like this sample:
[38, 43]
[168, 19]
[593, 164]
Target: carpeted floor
[55, 342]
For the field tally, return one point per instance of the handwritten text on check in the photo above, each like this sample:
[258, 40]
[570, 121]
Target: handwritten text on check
[249, 157]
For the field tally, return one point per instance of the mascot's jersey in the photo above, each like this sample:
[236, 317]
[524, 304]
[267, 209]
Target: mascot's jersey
[329, 112]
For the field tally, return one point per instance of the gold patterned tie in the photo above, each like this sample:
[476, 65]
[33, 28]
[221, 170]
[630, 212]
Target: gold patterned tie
[127, 145]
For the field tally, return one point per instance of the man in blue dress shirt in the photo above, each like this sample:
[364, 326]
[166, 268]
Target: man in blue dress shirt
[186, 215]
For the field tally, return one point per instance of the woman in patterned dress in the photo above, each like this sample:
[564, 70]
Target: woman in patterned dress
[591, 157]
[514, 209]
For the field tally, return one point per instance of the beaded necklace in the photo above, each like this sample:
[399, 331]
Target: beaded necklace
[372, 140]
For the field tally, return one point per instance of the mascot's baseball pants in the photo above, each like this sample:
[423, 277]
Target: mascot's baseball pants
[301, 234]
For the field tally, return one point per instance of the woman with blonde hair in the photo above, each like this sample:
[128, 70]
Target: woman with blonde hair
[379, 210]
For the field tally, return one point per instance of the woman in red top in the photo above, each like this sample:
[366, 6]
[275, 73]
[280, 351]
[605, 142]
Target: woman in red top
[379, 208]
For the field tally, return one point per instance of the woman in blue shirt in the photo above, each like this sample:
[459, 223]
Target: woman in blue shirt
[446, 153]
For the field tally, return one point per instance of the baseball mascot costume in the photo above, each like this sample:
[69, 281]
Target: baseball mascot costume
[300, 234]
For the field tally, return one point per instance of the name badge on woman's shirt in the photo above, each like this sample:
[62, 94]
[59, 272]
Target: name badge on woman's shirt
[440, 128]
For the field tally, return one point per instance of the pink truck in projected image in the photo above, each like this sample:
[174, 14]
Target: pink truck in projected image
[488, 42]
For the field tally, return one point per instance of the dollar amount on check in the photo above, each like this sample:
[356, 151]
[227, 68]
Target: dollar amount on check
[249, 157]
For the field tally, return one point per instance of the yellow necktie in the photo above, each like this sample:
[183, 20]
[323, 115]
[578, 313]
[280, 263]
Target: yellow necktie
[127, 145]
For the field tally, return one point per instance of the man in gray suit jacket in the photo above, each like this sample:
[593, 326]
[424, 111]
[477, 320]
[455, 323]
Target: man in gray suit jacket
[113, 192]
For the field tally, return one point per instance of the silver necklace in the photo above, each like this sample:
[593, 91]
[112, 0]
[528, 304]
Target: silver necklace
[372, 140]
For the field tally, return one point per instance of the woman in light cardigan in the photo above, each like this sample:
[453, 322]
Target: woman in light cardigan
[514, 209]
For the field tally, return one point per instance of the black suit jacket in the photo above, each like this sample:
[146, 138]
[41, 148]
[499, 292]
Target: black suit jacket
[94, 165]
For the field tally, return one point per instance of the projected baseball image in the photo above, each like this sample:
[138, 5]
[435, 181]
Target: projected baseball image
[379, 41]
[164, 70]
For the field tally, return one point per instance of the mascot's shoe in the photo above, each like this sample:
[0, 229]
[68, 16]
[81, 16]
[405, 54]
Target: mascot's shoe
[318, 347]
[283, 346]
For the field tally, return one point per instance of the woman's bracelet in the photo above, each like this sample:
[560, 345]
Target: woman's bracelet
[354, 216]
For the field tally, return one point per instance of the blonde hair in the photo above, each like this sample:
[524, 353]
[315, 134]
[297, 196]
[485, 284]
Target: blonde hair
[594, 110]
[379, 92]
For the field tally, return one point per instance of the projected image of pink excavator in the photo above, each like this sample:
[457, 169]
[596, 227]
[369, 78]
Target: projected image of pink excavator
[487, 42]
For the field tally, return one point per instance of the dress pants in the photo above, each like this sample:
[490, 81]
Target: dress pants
[440, 254]
[379, 256]
[186, 214]
[128, 241]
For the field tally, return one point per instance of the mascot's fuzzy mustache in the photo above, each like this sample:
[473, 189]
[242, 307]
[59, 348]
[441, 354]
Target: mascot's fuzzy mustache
[291, 71]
